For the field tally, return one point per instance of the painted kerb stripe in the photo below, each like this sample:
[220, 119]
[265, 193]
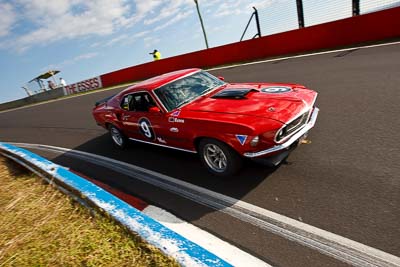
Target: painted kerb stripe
[330, 244]
[183, 250]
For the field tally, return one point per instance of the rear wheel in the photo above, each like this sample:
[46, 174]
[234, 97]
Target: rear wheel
[118, 137]
[219, 158]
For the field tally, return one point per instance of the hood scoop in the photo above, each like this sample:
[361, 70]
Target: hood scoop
[239, 93]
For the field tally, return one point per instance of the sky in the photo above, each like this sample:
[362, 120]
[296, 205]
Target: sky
[87, 38]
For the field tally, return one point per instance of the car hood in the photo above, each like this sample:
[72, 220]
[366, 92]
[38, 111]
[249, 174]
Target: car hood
[275, 101]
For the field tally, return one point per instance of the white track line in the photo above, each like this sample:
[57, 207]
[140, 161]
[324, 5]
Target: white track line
[217, 68]
[303, 55]
[222, 249]
[67, 97]
[330, 244]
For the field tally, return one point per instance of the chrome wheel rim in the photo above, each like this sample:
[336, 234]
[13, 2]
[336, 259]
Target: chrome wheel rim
[116, 136]
[215, 158]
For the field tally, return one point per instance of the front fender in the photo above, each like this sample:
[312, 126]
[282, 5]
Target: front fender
[238, 136]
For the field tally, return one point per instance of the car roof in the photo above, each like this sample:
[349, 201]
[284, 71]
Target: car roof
[160, 80]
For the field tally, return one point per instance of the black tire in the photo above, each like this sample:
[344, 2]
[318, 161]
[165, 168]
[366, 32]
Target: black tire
[219, 158]
[118, 137]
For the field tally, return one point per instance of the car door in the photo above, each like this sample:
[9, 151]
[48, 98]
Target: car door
[142, 120]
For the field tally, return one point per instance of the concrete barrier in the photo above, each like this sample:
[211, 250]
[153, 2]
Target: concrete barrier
[365, 28]
[40, 97]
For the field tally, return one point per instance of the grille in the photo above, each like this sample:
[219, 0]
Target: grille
[293, 126]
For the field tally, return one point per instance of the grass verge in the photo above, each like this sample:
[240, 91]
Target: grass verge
[40, 226]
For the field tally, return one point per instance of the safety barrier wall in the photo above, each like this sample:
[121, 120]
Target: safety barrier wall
[40, 97]
[365, 28]
[79, 87]
[83, 86]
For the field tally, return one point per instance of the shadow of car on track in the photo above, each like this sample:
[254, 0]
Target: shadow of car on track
[179, 165]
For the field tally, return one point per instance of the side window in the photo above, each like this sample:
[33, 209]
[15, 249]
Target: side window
[125, 104]
[143, 101]
[138, 102]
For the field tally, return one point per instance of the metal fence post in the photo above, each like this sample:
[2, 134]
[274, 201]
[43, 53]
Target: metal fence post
[257, 22]
[300, 13]
[356, 7]
[201, 22]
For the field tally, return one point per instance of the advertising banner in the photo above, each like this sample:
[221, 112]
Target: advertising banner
[83, 86]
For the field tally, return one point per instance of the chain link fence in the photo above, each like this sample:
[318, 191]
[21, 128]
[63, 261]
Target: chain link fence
[369, 6]
[280, 16]
[285, 15]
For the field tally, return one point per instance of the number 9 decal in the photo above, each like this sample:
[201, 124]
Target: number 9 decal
[146, 129]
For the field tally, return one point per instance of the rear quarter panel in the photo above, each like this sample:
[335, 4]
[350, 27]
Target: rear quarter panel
[107, 113]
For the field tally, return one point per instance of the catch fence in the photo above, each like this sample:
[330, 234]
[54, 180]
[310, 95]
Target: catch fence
[284, 15]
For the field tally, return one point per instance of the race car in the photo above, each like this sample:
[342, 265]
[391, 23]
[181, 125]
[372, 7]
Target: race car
[191, 110]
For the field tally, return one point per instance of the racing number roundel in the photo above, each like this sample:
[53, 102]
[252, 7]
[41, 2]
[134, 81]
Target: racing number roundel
[146, 129]
[276, 89]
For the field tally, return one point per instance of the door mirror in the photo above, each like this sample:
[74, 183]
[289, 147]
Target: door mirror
[221, 78]
[154, 110]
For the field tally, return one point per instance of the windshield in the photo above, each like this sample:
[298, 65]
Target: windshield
[182, 91]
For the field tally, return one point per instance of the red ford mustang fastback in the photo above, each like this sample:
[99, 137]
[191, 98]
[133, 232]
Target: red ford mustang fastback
[193, 111]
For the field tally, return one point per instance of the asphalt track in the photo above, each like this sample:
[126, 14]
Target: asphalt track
[347, 181]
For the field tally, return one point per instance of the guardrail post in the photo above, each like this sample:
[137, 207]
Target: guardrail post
[356, 7]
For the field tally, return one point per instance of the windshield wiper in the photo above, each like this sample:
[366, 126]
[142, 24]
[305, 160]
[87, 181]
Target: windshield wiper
[212, 88]
[184, 102]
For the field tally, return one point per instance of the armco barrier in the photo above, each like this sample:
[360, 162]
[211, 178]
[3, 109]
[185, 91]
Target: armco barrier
[365, 28]
[183, 250]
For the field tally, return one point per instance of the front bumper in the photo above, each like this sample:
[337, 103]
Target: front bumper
[290, 141]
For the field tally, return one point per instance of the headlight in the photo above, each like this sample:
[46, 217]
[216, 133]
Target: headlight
[280, 134]
[254, 141]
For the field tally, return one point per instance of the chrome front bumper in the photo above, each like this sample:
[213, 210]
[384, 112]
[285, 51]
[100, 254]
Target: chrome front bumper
[290, 141]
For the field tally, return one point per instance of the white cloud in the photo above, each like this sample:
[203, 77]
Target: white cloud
[219, 28]
[141, 34]
[43, 8]
[85, 56]
[135, 37]
[229, 8]
[170, 9]
[124, 39]
[7, 18]
[150, 41]
[117, 39]
[70, 19]
[174, 20]
[236, 7]
[143, 9]
[52, 21]
[70, 61]
[262, 4]
[96, 44]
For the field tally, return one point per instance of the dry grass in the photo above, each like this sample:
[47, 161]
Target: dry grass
[39, 226]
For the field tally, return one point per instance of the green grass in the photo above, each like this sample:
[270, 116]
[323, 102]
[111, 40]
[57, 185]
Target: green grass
[39, 226]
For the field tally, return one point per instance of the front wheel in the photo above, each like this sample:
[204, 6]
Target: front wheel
[118, 137]
[219, 158]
